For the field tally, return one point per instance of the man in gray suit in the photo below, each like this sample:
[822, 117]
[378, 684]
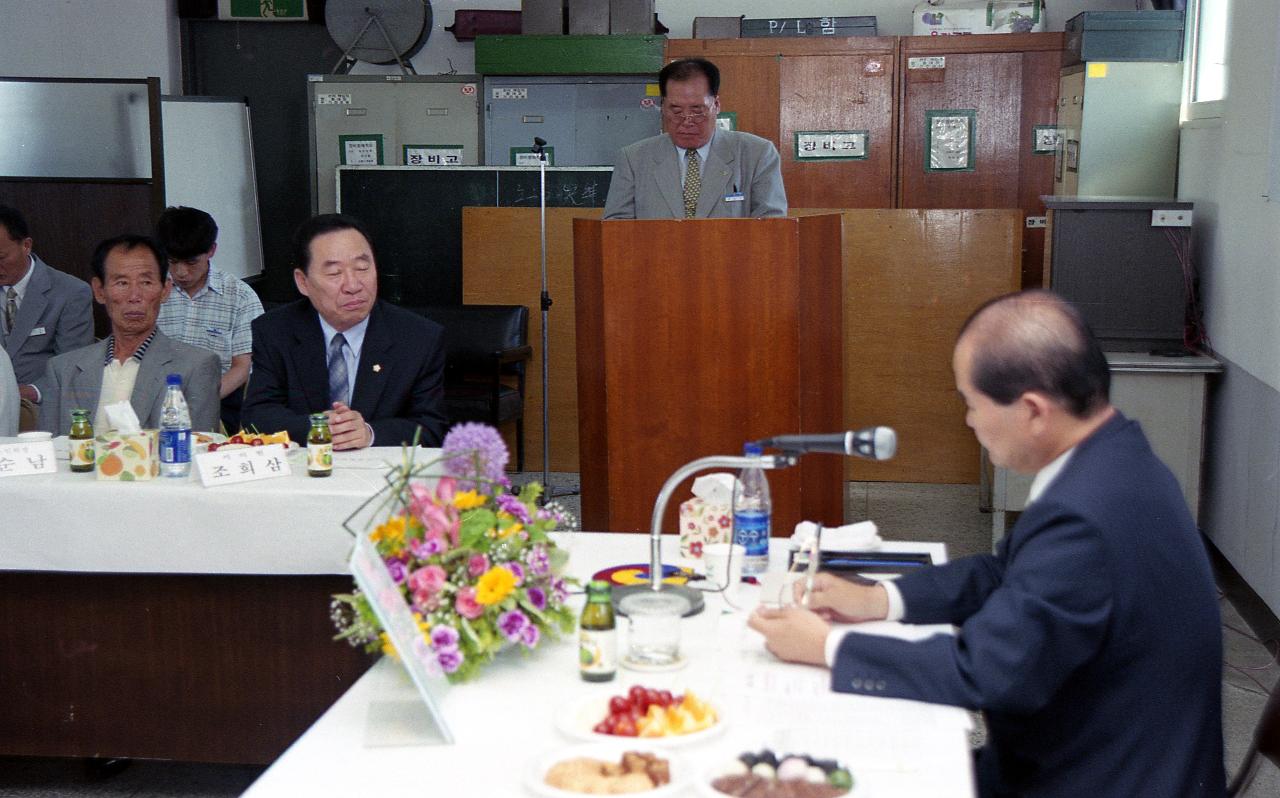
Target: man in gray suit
[43, 311]
[695, 170]
[8, 397]
[130, 280]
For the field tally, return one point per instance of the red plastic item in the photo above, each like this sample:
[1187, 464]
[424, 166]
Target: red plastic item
[468, 24]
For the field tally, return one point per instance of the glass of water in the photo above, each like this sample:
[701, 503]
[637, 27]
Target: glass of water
[653, 632]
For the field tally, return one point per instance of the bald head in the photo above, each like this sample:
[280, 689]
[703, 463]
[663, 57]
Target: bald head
[1035, 341]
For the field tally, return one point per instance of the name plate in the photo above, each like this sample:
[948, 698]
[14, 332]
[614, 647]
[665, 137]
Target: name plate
[25, 459]
[227, 467]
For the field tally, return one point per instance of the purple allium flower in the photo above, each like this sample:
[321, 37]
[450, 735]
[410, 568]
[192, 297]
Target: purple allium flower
[537, 597]
[560, 591]
[513, 505]
[450, 659]
[539, 561]
[529, 636]
[516, 569]
[397, 569]
[512, 624]
[476, 454]
[444, 638]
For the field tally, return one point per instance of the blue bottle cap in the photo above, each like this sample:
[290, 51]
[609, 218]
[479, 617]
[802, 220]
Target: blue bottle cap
[173, 379]
[752, 450]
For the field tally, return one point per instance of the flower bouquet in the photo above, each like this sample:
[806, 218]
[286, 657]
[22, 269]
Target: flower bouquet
[472, 559]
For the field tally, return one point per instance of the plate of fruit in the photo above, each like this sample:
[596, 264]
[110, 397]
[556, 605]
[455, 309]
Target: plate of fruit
[244, 440]
[659, 717]
[607, 768]
[768, 774]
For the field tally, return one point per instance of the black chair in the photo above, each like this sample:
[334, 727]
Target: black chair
[486, 351]
[1266, 741]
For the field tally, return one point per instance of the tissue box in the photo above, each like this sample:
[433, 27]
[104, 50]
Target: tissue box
[127, 456]
[702, 524]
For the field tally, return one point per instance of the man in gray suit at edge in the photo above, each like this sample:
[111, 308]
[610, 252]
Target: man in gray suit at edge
[695, 170]
[130, 279]
[43, 311]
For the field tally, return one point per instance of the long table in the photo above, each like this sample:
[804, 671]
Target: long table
[166, 620]
[507, 718]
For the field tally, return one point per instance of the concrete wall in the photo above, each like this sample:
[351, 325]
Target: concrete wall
[1223, 167]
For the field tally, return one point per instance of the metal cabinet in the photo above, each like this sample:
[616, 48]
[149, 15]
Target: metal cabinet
[389, 120]
[584, 120]
[1166, 395]
[1119, 129]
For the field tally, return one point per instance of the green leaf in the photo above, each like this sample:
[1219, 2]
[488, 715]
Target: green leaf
[474, 526]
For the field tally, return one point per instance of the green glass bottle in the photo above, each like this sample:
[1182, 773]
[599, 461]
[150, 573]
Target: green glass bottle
[319, 447]
[598, 634]
[81, 440]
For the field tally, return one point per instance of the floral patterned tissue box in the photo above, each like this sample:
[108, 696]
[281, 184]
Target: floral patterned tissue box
[702, 524]
[127, 456]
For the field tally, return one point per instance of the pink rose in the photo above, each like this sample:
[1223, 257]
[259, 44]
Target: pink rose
[466, 604]
[477, 565]
[428, 579]
[425, 602]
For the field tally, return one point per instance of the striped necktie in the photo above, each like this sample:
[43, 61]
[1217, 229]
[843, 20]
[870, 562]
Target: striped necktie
[337, 370]
[692, 182]
[10, 309]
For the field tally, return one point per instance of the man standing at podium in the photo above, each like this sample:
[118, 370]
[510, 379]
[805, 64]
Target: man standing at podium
[695, 170]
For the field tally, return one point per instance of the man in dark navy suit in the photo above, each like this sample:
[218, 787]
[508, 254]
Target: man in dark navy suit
[376, 370]
[1091, 640]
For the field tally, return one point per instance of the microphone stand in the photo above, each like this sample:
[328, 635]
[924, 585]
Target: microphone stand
[690, 596]
[539, 148]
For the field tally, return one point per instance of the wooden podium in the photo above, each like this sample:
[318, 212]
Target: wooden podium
[694, 337]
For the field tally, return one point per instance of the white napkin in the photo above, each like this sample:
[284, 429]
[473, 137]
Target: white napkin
[715, 488]
[862, 536]
[122, 419]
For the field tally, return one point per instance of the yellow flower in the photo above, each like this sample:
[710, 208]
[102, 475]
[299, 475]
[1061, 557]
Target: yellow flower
[392, 531]
[494, 585]
[424, 626]
[387, 648]
[468, 499]
[511, 530]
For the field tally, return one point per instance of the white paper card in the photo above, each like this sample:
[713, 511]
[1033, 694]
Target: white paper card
[229, 466]
[393, 611]
[25, 459]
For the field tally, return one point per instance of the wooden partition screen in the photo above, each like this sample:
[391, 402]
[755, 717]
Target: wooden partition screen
[910, 279]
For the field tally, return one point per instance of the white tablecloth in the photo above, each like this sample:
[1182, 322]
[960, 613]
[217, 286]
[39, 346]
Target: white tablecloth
[286, 525]
[506, 718]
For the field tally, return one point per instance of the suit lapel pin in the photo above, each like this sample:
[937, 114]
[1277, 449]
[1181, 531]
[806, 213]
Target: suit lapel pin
[377, 367]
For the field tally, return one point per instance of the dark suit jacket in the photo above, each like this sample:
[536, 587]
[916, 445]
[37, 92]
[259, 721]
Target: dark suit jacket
[56, 316]
[1091, 640]
[399, 386]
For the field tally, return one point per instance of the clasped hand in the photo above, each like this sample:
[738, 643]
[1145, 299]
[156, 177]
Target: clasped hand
[799, 634]
[347, 428]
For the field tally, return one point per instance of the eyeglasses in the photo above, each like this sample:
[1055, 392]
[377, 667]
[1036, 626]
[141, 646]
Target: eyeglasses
[693, 114]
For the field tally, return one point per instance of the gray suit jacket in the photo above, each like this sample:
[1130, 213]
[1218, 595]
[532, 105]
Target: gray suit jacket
[9, 401]
[56, 316]
[647, 183]
[74, 380]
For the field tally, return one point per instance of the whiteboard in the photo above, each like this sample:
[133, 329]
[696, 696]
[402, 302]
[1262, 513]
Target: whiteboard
[208, 164]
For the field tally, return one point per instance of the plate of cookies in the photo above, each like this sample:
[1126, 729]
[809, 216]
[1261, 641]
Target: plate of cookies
[607, 769]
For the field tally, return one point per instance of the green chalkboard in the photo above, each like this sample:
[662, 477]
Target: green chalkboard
[415, 216]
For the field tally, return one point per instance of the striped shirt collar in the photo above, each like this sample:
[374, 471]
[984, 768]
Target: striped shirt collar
[137, 353]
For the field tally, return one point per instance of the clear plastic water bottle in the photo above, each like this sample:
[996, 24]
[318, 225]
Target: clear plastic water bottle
[752, 512]
[175, 430]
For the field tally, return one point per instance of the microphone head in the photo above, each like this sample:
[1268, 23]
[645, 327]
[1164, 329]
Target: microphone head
[886, 443]
[541, 142]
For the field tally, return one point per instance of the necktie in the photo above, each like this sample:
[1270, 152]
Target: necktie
[10, 309]
[692, 182]
[337, 370]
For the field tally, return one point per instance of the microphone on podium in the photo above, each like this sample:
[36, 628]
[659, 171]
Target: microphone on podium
[538, 144]
[871, 443]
